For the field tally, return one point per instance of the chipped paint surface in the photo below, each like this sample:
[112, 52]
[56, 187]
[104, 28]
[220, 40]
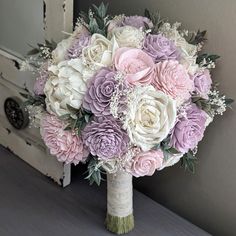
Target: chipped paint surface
[27, 144]
[58, 19]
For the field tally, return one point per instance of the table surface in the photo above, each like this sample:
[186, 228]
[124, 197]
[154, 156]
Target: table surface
[32, 205]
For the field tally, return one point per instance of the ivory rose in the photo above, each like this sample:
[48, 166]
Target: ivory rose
[127, 36]
[172, 78]
[99, 52]
[60, 52]
[137, 66]
[146, 163]
[151, 116]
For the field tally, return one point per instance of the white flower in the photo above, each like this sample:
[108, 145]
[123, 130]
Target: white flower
[99, 53]
[66, 86]
[59, 53]
[208, 120]
[128, 36]
[36, 113]
[172, 160]
[188, 51]
[150, 117]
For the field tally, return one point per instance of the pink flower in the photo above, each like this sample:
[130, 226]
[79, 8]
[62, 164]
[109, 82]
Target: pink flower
[146, 163]
[65, 145]
[137, 65]
[173, 79]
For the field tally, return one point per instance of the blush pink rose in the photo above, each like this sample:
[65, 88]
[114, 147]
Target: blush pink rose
[137, 65]
[173, 79]
[65, 145]
[146, 163]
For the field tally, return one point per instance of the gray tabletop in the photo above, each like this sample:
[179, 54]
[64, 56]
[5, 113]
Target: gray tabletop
[32, 205]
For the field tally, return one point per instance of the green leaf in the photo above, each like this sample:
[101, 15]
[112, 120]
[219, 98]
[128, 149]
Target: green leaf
[228, 101]
[173, 150]
[65, 117]
[87, 118]
[147, 14]
[188, 162]
[68, 127]
[72, 109]
[24, 95]
[199, 37]
[208, 58]
[94, 172]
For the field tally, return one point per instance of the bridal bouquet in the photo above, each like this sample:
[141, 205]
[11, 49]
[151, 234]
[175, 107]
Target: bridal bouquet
[130, 95]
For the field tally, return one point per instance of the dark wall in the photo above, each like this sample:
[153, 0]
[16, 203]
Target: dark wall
[208, 197]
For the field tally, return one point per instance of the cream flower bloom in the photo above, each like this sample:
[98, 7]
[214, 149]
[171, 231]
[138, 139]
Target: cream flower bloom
[66, 86]
[100, 52]
[58, 55]
[188, 51]
[151, 116]
[127, 36]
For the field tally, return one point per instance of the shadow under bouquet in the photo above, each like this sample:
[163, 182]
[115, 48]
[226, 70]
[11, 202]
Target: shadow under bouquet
[129, 95]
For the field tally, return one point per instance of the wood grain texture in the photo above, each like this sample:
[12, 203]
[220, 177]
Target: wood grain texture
[32, 205]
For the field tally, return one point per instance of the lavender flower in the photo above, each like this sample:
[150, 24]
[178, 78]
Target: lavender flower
[98, 96]
[189, 129]
[105, 138]
[41, 80]
[137, 22]
[78, 44]
[202, 83]
[160, 48]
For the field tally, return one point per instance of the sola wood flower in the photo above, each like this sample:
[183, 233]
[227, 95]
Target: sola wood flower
[160, 48]
[65, 145]
[173, 79]
[75, 50]
[105, 138]
[138, 22]
[65, 87]
[127, 36]
[98, 96]
[137, 66]
[189, 129]
[146, 163]
[202, 83]
[151, 116]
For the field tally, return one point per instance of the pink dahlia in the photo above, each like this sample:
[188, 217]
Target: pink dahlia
[173, 79]
[65, 145]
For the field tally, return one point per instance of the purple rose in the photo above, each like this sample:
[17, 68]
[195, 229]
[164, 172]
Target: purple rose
[189, 129]
[98, 96]
[78, 44]
[137, 21]
[160, 48]
[41, 80]
[105, 138]
[202, 83]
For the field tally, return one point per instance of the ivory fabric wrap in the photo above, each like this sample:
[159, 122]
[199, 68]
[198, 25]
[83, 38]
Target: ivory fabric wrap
[119, 194]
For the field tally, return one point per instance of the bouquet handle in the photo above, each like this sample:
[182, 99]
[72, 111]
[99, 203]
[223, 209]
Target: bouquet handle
[120, 218]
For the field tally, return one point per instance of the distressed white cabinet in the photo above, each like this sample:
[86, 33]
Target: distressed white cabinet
[22, 22]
